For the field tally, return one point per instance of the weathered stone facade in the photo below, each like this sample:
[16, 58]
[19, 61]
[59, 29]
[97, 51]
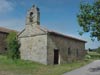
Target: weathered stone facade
[34, 45]
[47, 47]
[62, 43]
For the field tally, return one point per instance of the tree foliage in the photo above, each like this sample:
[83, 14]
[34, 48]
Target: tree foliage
[89, 18]
[12, 46]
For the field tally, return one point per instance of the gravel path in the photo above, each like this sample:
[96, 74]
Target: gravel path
[90, 69]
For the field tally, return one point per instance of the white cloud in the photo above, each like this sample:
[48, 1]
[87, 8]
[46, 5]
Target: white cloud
[5, 6]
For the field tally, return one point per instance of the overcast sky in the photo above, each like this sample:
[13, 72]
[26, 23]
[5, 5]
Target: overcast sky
[57, 15]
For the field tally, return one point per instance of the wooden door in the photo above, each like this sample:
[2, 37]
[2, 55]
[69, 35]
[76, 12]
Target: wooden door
[56, 56]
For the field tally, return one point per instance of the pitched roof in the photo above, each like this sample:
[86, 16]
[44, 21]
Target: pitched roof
[66, 36]
[60, 34]
[6, 30]
[56, 33]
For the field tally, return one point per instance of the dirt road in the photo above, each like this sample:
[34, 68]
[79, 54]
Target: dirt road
[90, 69]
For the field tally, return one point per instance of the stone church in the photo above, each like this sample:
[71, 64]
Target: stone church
[45, 46]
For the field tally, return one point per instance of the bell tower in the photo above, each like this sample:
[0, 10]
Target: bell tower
[33, 16]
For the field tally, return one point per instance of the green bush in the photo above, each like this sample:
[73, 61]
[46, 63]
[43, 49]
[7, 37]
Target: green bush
[87, 57]
[12, 46]
[94, 55]
[98, 49]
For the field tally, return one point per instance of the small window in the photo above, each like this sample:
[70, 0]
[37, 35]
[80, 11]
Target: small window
[5, 49]
[31, 13]
[77, 53]
[31, 16]
[69, 51]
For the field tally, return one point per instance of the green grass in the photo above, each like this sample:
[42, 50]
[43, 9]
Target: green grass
[22, 67]
[94, 55]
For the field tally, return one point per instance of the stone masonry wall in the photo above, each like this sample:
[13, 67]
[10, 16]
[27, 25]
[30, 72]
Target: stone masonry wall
[34, 48]
[62, 44]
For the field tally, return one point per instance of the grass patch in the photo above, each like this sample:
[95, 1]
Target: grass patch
[94, 55]
[22, 67]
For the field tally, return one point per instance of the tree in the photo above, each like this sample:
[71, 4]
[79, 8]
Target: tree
[12, 46]
[89, 18]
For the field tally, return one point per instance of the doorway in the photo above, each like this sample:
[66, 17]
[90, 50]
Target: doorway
[56, 56]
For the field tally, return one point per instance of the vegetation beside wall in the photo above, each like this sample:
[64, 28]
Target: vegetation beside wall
[12, 46]
[22, 67]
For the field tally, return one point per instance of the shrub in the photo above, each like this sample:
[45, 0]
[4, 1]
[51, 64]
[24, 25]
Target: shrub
[98, 49]
[94, 55]
[12, 46]
[87, 57]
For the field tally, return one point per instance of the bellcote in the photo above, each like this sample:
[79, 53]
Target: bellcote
[33, 16]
